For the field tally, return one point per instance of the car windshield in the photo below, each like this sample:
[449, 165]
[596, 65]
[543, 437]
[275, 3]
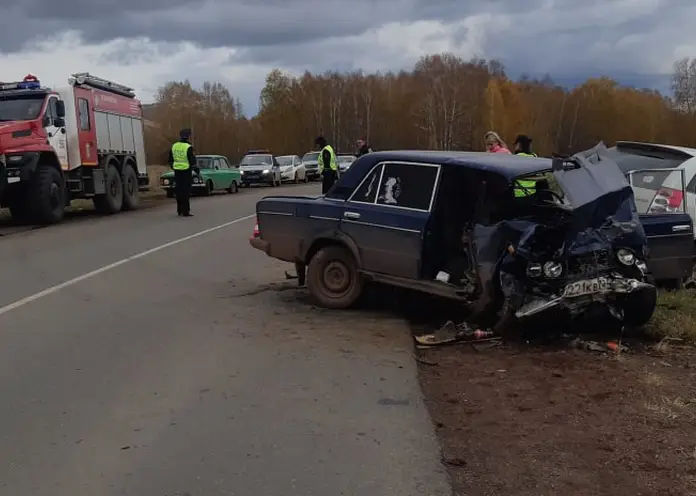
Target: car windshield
[283, 161]
[204, 162]
[256, 160]
[22, 108]
[345, 158]
[310, 156]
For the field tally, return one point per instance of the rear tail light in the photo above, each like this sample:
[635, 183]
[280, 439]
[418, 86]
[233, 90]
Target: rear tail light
[256, 233]
[667, 200]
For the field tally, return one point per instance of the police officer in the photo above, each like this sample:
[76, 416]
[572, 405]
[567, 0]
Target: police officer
[328, 166]
[523, 146]
[183, 161]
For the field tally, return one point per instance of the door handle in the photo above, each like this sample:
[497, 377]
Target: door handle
[351, 215]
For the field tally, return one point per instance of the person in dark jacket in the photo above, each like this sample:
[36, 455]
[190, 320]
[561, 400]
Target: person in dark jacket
[183, 161]
[523, 146]
[328, 165]
[363, 147]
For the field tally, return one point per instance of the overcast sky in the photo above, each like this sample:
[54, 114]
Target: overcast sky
[144, 43]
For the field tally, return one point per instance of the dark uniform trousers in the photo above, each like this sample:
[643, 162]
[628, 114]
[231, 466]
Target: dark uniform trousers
[182, 188]
[328, 178]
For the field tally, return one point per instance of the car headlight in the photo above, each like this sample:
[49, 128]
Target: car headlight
[241, 172]
[2, 159]
[196, 180]
[625, 256]
[165, 182]
[265, 171]
[553, 269]
[534, 269]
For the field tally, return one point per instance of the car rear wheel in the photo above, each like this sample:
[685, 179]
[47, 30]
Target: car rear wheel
[333, 279]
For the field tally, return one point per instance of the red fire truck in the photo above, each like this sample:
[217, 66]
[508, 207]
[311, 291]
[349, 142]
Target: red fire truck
[81, 141]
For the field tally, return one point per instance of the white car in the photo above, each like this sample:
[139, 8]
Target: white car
[344, 162]
[292, 168]
[656, 191]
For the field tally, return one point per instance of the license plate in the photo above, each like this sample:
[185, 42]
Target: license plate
[586, 287]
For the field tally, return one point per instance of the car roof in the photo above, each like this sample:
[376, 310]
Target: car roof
[509, 166]
[211, 156]
[657, 146]
[286, 156]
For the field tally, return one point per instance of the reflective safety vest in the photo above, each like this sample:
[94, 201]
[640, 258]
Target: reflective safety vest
[320, 160]
[180, 155]
[524, 188]
[521, 154]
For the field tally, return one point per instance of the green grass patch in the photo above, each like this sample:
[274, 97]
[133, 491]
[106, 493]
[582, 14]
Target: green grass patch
[675, 316]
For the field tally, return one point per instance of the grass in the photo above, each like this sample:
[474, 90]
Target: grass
[675, 317]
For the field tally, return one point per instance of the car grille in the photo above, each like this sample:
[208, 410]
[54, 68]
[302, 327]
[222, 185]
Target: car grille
[311, 166]
[591, 264]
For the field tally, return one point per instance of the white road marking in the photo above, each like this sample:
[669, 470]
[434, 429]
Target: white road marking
[101, 270]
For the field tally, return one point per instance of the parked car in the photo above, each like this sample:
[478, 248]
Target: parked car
[215, 174]
[310, 161]
[344, 162]
[664, 182]
[450, 224]
[292, 168]
[260, 167]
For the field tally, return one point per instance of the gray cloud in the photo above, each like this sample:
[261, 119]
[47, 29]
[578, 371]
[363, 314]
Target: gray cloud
[570, 39]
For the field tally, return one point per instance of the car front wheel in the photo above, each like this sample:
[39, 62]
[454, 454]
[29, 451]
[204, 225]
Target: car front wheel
[638, 308]
[333, 279]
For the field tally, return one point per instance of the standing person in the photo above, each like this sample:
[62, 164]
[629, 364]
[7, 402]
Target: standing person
[523, 146]
[494, 143]
[363, 147]
[328, 166]
[183, 160]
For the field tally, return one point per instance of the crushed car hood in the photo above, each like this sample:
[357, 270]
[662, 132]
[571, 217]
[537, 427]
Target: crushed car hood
[601, 215]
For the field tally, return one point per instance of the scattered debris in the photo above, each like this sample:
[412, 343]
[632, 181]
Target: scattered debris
[611, 346]
[452, 333]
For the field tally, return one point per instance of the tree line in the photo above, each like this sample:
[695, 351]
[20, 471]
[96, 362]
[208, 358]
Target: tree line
[443, 103]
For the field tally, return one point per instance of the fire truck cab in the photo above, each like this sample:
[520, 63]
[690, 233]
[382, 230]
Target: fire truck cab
[84, 140]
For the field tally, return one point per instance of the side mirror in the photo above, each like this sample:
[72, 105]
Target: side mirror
[59, 122]
[60, 109]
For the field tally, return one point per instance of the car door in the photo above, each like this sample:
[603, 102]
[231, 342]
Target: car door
[298, 167]
[229, 173]
[216, 174]
[56, 134]
[387, 215]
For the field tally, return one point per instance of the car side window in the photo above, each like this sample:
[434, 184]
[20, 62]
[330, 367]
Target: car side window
[366, 192]
[407, 185]
[83, 113]
[691, 187]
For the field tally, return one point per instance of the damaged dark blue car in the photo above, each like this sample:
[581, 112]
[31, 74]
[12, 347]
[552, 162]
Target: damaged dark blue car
[510, 237]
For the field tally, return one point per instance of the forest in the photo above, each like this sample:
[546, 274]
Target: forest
[444, 103]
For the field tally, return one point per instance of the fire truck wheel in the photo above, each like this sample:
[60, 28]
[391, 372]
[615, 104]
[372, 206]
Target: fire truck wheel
[131, 196]
[112, 201]
[48, 195]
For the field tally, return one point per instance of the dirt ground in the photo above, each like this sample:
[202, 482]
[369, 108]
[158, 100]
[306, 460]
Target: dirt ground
[538, 420]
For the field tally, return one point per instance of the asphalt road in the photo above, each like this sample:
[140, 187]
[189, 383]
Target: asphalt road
[141, 357]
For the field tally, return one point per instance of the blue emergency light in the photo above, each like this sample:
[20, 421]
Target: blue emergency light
[30, 82]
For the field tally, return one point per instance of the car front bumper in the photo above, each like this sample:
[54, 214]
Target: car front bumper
[257, 179]
[582, 294]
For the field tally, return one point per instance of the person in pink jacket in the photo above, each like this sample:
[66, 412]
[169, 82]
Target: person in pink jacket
[495, 144]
